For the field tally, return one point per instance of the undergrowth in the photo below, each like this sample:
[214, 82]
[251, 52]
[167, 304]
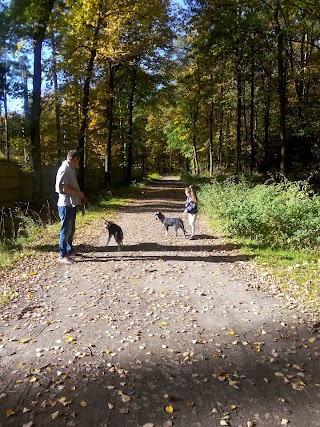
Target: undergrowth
[279, 223]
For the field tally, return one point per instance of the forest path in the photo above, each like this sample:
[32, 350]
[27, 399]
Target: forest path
[165, 332]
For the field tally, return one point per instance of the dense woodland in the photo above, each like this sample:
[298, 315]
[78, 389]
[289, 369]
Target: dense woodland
[228, 86]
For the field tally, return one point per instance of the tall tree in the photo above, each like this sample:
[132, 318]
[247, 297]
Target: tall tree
[31, 19]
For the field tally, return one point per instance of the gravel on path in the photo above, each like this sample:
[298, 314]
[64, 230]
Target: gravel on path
[166, 332]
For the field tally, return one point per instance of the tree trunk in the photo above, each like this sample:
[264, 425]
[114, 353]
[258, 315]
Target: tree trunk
[252, 141]
[56, 102]
[282, 106]
[38, 38]
[211, 162]
[85, 104]
[84, 121]
[220, 138]
[110, 104]
[239, 108]
[130, 125]
[266, 124]
[281, 92]
[35, 122]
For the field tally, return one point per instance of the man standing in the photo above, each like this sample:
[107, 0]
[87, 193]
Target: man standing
[69, 200]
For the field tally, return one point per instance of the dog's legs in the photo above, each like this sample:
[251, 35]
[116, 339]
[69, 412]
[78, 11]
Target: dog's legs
[166, 230]
[109, 237]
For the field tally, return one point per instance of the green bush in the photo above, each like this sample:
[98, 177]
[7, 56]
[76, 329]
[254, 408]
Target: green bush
[285, 215]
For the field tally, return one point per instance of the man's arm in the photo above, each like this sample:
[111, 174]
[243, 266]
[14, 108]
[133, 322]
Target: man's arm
[69, 190]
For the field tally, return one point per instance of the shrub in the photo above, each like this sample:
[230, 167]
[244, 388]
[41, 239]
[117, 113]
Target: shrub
[280, 214]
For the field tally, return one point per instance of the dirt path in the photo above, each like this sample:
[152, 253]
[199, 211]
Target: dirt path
[166, 332]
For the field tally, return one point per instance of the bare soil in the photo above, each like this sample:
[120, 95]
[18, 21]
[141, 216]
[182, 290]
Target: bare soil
[166, 332]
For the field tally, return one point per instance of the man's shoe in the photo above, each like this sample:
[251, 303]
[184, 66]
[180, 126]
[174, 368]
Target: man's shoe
[66, 260]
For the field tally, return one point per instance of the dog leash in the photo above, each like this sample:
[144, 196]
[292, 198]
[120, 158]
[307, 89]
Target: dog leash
[89, 204]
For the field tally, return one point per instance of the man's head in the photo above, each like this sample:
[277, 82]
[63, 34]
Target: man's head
[73, 158]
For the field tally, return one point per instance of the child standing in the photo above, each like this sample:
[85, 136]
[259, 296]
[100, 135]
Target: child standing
[191, 205]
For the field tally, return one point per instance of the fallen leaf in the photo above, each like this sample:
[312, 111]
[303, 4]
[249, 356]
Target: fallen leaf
[169, 409]
[234, 384]
[55, 415]
[64, 401]
[9, 412]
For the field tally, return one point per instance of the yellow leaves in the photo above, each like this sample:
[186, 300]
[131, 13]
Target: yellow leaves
[312, 340]
[169, 409]
[231, 332]
[258, 347]
[63, 375]
[10, 412]
[26, 340]
[32, 380]
[69, 339]
[83, 403]
[64, 401]
[33, 273]
[224, 376]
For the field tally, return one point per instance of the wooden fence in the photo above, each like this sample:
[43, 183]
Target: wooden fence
[16, 184]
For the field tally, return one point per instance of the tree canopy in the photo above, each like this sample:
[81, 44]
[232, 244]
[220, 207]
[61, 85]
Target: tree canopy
[204, 87]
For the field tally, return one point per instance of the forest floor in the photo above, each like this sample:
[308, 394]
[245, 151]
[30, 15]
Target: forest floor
[166, 332]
